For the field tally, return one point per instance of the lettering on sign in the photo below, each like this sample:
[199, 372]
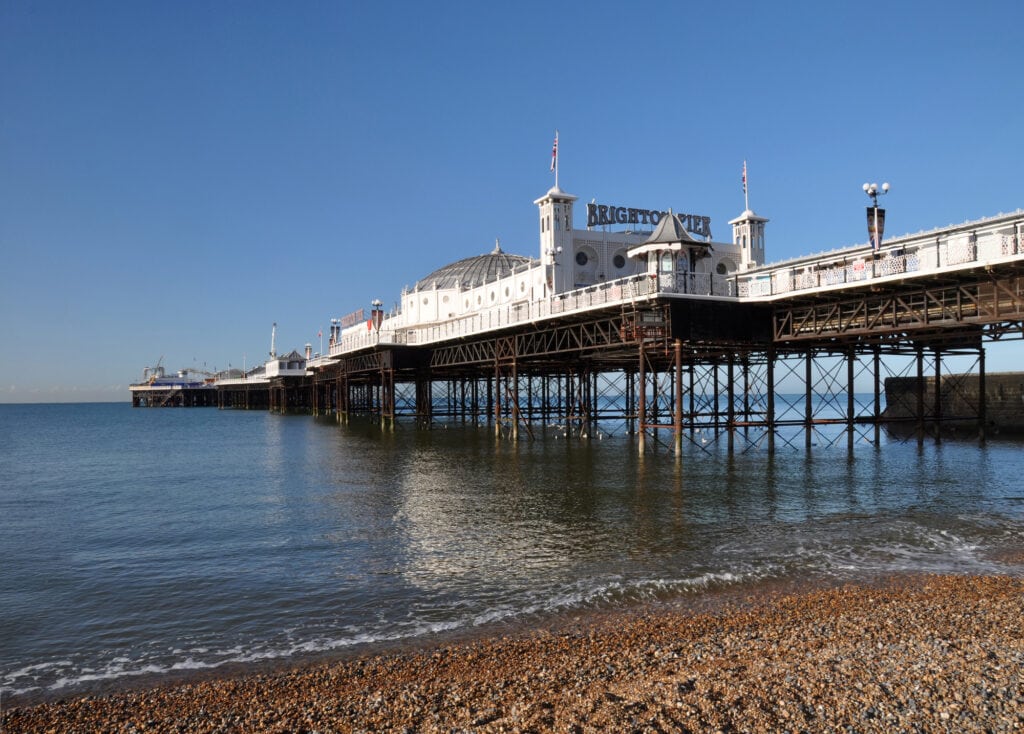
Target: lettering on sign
[600, 215]
[353, 318]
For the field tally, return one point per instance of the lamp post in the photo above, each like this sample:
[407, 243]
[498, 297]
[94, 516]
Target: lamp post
[335, 332]
[876, 216]
[376, 314]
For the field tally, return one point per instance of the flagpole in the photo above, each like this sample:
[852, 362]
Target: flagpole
[556, 159]
[746, 197]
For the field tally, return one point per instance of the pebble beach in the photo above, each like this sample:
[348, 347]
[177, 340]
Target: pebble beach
[923, 653]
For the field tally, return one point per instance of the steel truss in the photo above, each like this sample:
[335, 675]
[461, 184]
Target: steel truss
[818, 383]
[990, 298]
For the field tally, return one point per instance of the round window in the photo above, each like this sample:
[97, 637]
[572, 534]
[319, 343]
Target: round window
[619, 261]
[581, 258]
[426, 301]
[721, 269]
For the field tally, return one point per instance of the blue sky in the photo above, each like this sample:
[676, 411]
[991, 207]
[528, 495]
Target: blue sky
[174, 177]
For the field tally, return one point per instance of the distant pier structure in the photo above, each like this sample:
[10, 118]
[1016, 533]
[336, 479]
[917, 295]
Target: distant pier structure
[642, 324]
[186, 389]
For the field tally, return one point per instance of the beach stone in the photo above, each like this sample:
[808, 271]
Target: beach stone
[921, 654]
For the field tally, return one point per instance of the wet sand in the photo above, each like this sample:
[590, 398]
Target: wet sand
[943, 654]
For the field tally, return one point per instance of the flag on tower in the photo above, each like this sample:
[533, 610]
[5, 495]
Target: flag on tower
[554, 153]
[744, 177]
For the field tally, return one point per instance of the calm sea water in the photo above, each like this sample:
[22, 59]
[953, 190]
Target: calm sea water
[152, 542]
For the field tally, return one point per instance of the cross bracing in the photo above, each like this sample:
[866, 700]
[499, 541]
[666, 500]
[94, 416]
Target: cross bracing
[796, 354]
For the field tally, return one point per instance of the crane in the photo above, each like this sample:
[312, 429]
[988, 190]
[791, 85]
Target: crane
[149, 374]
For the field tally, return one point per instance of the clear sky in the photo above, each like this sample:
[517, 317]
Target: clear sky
[176, 176]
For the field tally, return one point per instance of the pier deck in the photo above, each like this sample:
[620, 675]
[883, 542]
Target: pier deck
[689, 353]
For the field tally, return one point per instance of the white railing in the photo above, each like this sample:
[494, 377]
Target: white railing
[986, 241]
[615, 291]
[250, 380]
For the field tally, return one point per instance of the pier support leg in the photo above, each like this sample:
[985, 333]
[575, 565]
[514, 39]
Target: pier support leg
[641, 412]
[770, 408]
[746, 396]
[513, 398]
[424, 399]
[937, 410]
[630, 379]
[677, 418]
[716, 397]
[491, 387]
[730, 408]
[982, 404]
[851, 408]
[387, 399]
[808, 400]
[497, 399]
[343, 399]
[920, 394]
[877, 369]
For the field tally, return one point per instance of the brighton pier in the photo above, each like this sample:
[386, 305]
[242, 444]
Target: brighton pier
[666, 337]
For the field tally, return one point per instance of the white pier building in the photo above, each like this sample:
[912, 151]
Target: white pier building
[625, 254]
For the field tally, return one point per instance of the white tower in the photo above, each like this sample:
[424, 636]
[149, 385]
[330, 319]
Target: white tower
[556, 238]
[748, 233]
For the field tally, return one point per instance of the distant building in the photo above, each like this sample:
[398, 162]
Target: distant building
[289, 365]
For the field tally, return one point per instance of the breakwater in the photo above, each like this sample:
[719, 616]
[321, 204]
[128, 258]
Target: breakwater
[960, 404]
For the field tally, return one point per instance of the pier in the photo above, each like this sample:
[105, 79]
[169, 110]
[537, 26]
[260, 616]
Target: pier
[691, 344]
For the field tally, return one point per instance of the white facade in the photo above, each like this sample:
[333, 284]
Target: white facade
[599, 254]
[748, 236]
[290, 365]
[569, 259]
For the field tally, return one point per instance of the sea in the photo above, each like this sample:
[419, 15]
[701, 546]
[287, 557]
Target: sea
[156, 544]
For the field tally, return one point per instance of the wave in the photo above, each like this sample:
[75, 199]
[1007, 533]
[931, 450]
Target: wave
[841, 549]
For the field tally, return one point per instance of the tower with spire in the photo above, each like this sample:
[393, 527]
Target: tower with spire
[556, 249]
[748, 232]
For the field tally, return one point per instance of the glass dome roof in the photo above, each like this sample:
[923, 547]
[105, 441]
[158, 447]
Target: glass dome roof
[474, 271]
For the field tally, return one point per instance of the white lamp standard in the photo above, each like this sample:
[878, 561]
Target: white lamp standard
[876, 216]
[377, 314]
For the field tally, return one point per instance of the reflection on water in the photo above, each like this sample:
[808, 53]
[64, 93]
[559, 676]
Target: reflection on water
[170, 540]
